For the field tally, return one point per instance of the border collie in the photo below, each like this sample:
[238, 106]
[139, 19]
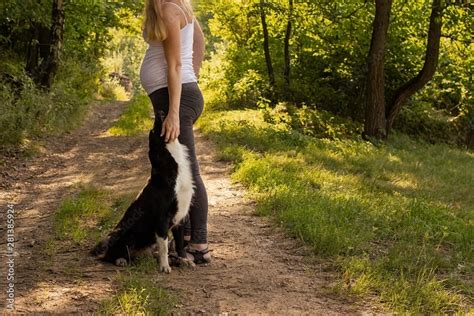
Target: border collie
[161, 205]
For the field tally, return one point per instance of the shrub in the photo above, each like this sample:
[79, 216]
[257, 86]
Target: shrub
[112, 90]
[29, 112]
[310, 121]
[421, 120]
[249, 89]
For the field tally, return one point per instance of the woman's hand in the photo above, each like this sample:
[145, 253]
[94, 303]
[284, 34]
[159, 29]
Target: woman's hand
[170, 127]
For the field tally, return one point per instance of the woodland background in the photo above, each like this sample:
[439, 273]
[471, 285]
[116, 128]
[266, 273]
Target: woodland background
[351, 122]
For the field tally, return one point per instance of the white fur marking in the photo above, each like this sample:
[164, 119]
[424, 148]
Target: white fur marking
[184, 188]
[163, 255]
[121, 262]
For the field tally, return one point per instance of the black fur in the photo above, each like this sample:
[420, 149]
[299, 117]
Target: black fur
[151, 213]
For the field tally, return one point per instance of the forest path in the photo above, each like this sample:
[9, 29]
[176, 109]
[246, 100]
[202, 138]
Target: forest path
[256, 269]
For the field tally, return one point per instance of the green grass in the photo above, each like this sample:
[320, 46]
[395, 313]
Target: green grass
[80, 217]
[84, 218]
[136, 119]
[395, 218]
[138, 293]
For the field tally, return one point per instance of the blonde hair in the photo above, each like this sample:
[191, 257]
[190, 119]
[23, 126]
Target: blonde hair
[154, 29]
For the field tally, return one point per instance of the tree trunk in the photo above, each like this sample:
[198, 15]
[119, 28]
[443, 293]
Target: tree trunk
[470, 138]
[375, 106]
[49, 66]
[266, 45]
[286, 71]
[32, 53]
[428, 70]
[38, 47]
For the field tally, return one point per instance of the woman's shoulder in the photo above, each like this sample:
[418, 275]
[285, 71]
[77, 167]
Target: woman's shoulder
[172, 6]
[175, 8]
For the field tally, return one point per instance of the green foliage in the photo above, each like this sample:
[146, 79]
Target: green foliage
[110, 89]
[426, 123]
[310, 121]
[249, 89]
[394, 218]
[125, 52]
[28, 111]
[86, 28]
[94, 31]
[328, 50]
[90, 26]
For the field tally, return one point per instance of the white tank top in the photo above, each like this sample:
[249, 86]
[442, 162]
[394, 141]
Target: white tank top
[153, 71]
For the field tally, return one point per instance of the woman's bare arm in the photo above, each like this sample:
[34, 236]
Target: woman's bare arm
[172, 49]
[199, 45]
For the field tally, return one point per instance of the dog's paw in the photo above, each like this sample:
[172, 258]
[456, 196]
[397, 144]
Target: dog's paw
[186, 263]
[165, 268]
[121, 262]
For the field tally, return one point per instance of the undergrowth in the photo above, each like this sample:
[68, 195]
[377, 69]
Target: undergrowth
[29, 112]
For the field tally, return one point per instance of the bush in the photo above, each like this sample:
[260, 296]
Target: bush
[124, 55]
[310, 121]
[112, 90]
[9, 133]
[29, 112]
[421, 120]
[249, 89]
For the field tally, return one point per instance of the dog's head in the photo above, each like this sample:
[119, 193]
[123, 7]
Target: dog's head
[158, 153]
[161, 160]
[100, 249]
[157, 147]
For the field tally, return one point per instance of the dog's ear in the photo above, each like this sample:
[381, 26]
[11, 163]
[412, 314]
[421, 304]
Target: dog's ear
[158, 123]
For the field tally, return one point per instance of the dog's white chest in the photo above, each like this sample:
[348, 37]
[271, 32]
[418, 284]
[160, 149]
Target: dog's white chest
[184, 188]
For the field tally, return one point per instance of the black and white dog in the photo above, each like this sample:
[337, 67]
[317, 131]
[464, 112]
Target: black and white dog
[162, 204]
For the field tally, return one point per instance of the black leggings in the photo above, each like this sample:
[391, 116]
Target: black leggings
[191, 107]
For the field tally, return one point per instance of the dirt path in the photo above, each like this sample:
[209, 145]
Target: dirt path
[256, 269]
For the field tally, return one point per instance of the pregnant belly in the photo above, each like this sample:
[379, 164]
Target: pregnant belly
[152, 75]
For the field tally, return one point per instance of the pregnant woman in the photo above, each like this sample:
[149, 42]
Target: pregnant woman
[169, 74]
